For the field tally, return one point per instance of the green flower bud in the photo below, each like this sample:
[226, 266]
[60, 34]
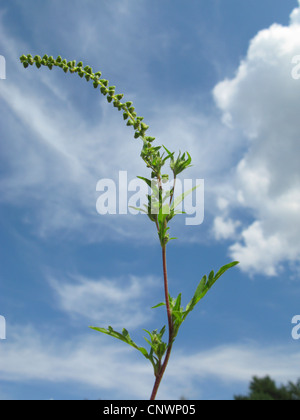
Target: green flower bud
[88, 69]
[144, 126]
[104, 82]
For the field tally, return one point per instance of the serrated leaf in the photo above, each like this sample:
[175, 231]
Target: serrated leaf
[125, 337]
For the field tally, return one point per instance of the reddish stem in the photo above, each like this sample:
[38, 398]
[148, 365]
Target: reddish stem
[161, 371]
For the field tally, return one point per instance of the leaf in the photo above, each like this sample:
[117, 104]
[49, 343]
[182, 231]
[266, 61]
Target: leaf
[177, 303]
[181, 197]
[225, 268]
[198, 295]
[125, 337]
[204, 286]
[148, 181]
[158, 305]
[137, 209]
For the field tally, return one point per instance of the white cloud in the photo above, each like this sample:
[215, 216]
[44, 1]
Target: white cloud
[117, 302]
[224, 228]
[100, 364]
[91, 360]
[262, 103]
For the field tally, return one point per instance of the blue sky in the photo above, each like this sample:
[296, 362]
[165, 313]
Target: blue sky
[213, 78]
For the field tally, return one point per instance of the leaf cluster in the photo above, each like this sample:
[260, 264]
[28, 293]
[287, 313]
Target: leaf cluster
[179, 314]
[157, 346]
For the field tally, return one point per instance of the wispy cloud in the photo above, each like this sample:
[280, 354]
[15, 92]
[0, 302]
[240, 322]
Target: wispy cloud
[60, 140]
[57, 155]
[118, 371]
[117, 302]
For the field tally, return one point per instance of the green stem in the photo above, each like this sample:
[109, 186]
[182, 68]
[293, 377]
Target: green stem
[161, 371]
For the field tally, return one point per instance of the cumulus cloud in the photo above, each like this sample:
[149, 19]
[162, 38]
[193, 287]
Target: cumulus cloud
[261, 102]
[224, 228]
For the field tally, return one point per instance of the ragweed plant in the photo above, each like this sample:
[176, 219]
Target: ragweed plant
[161, 209]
